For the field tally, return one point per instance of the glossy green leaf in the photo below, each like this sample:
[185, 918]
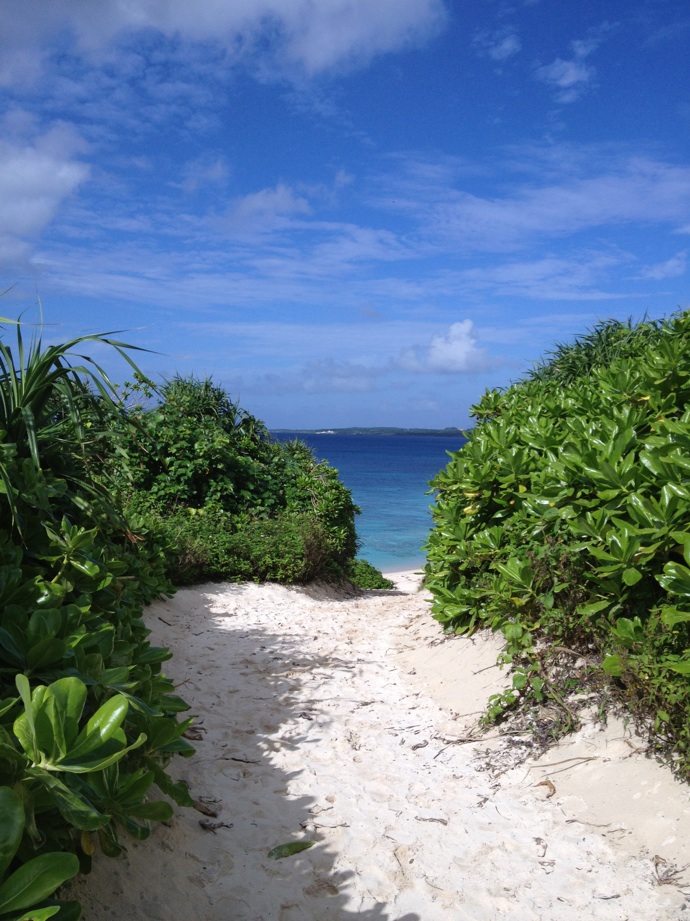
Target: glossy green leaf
[675, 578]
[38, 914]
[103, 725]
[159, 811]
[287, 850]
[110, 752]
[75, 809]
[36, 880]
[631, 576]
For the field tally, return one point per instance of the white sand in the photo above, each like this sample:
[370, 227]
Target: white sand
[342, 720]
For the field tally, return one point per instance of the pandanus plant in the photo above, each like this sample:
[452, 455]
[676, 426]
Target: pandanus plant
[88, 721]
[54, 412]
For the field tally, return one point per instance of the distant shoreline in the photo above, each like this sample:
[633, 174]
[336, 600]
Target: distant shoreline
[374, 430]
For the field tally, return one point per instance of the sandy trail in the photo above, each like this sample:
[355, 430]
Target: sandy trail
[337, 719]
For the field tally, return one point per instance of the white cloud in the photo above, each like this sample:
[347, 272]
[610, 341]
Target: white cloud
[456, 352]
[575, 278]
[571, 78]
[266, 210]
[308, 37]
[37, 174]
[573, 200]
[204, 171]
[499, 45]
[671, 268]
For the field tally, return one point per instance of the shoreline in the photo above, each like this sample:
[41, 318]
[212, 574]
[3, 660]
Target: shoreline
[351, 722]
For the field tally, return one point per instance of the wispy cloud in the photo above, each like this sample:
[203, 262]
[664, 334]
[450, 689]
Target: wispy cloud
[204, 171]
[570, 78]
[581, 276]
[671, 268]
[274, 247]
[499, 45]
[632, 189]
[264, 211]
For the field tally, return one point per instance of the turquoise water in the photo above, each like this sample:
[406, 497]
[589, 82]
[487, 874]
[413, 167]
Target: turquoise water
[389, 479]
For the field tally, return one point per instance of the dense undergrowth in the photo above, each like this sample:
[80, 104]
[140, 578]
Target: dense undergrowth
[564, 522]
[103, 506]
[88, 720]
[224, 500]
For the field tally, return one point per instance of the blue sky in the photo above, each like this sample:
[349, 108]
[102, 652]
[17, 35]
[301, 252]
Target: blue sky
[345, 211]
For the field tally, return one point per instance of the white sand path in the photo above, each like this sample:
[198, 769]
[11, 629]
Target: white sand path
[336, 718]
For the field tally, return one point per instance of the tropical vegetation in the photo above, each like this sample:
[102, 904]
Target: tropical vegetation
[105, 503]
[564, 523]
[225, 500]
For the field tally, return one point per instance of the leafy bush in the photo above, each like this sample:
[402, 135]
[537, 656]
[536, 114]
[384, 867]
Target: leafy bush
[88, 721]
[365, 576]
[564, 521]
[225, 500]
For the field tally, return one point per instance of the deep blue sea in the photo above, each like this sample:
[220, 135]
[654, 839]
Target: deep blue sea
[389, 479]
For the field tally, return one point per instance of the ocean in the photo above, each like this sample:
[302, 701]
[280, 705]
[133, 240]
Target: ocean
[389, 479]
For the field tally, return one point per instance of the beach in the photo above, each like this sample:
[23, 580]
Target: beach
[348, 720]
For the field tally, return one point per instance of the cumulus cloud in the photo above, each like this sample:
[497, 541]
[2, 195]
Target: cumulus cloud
[456, 352]
[311, 37]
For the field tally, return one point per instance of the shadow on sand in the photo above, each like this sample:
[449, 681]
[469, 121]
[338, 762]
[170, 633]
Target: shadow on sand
[246, 688]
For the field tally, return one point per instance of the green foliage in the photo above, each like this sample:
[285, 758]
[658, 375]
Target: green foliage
[31, 884]
[224, 500]
[565, 519]
[289, 849]
[365, 576]
[98, 506]
[88, 721]
[607, 342]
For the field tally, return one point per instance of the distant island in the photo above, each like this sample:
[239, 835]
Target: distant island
[373, 430]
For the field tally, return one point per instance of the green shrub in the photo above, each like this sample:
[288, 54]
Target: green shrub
[565, 520]
[211, 545]
[88, 720]
[365, 576]
[227, 501]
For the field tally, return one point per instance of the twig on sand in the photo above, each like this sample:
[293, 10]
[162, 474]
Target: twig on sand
[581, 759]
[592, 824]
[421, 818]
[667, 874]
